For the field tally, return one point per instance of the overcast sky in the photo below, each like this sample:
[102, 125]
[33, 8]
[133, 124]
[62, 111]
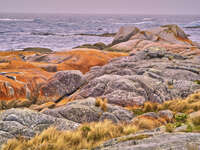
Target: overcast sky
[102, 6]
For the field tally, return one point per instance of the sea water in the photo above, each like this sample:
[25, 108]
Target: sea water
[59, 31]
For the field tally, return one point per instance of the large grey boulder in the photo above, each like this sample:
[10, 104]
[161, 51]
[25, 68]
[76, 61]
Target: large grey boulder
[151, 75]
[27, 123]
[85, 110]
[124, 34]
[61, 84]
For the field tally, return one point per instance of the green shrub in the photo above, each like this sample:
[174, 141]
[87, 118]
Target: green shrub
[181, 117]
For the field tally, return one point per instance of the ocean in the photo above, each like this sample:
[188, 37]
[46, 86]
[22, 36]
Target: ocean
[59, 31]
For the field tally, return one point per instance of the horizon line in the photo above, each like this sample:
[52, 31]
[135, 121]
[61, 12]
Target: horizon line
[92, 13]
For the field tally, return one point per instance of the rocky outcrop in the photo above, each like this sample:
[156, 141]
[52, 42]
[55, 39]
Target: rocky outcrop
[168, 37]
[99, 46]
[38, 49]
[63, 83]
[150, 75]
[26, 76]
[154, 141]
[124, 34]
[25, 123]
[86, 110]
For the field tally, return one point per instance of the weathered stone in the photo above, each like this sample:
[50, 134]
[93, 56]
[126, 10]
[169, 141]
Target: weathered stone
[150, 75]
[27, 123]
[61, 84]
[124, 34]
[154, 141]
[168, 37]
[108, 116]
[85, 111]
[166, 114]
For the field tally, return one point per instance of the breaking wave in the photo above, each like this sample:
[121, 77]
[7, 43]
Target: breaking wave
[9, 19]
[195, 24]
[138, 23]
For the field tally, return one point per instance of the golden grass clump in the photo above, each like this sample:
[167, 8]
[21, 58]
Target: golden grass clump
[194, 118]
[169, 127]
[87, 136]
[143, 122]
[102, 103]
[150, 107]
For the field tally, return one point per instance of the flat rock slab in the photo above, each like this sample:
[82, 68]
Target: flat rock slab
[155, 141]
[84, 110]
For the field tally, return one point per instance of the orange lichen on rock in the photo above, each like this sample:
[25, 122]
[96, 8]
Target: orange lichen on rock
[21, 86]
[45, 66]
[19, 65]
[42, 106]
[84, 59]
[77, 59]
[14, 55]
[64, 101]
[20, 80]
[10, 89]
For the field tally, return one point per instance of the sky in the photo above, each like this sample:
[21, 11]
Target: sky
[102, 6]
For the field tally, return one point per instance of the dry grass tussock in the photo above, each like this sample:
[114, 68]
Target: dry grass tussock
[187, 105]
[102, 103]
[87, 136]
[148, 123]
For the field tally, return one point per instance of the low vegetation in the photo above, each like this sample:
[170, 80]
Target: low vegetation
[86, 136]
[102, 103]
[181, 109]
[187, 105]
[91, 135]
[148, 123]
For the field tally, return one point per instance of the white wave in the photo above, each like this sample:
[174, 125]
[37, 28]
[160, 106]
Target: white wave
[144, 22]
[146, 19]
[9, 19]
[138, 23]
